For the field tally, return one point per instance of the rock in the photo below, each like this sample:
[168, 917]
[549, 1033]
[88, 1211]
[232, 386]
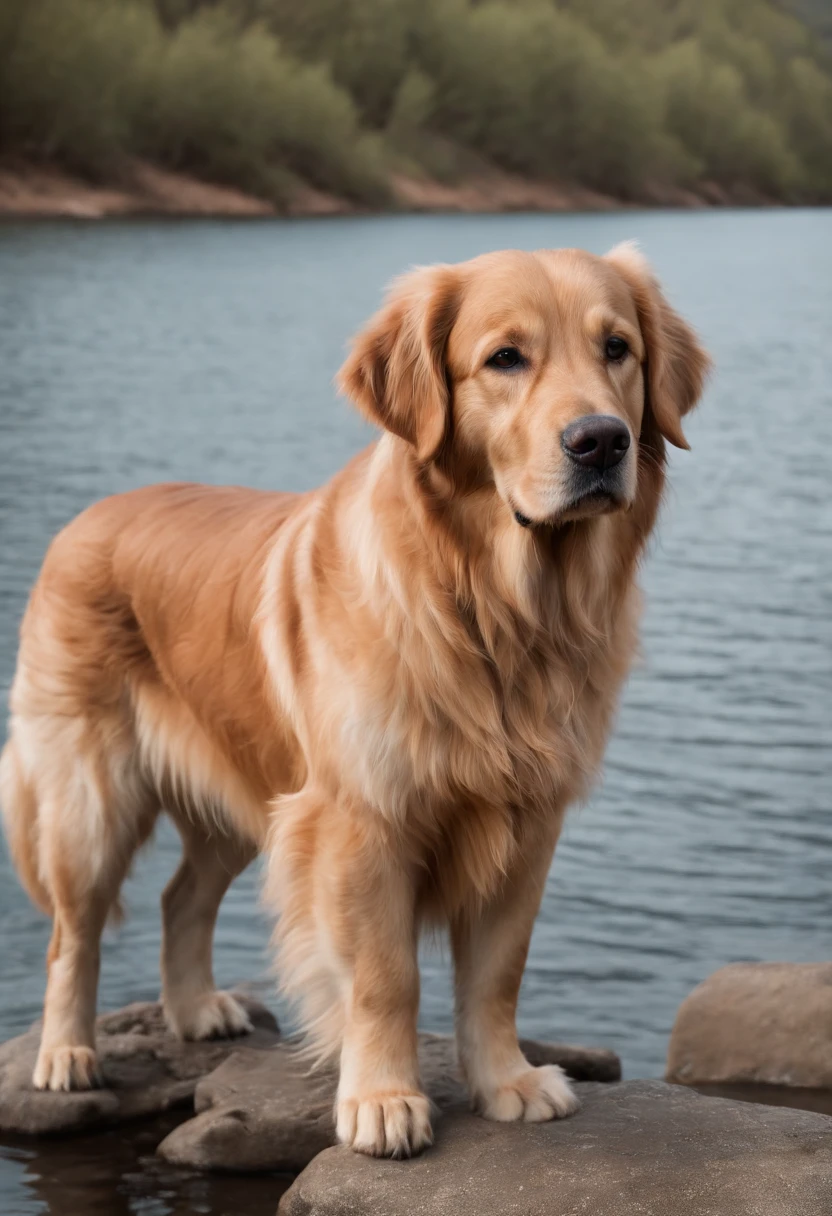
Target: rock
[256, 1112]
[579, 1063]
[145, 1069]
[641, 1148]
[761, 1023]
[268, 1112]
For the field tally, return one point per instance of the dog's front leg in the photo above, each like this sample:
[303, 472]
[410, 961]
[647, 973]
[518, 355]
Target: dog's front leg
[490, 945]
[347, 946]
[380, 1109]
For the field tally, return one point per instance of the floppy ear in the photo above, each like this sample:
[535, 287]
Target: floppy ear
[396, 371]
[676, 364]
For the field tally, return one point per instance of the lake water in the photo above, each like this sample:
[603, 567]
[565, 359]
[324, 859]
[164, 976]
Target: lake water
[149, 351]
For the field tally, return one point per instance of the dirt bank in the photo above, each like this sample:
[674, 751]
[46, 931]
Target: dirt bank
[31, 190]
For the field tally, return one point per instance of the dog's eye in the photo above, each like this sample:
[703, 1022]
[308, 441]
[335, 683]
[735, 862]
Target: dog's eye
[506, 358]
[615, 349]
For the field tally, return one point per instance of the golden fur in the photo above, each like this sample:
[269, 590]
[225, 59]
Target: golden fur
[388, 685]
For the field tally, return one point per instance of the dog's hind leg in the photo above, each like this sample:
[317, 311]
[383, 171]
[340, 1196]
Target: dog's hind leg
[194, 1009]
[92, 813]
[67, 1059]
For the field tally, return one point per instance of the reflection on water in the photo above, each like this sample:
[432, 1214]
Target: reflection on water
[817, 1100]
[139, 352]
[115, 1173]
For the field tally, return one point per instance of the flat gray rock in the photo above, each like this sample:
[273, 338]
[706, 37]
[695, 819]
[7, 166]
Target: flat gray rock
[145, 1070]
[268, 1112]
[756, 1023]
[641, 1148]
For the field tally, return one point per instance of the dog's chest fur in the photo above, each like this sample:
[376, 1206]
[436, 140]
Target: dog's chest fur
[475, 725]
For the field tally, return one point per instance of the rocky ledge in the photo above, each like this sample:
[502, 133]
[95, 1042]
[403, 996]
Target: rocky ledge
[637, 1148]
[641, 1148]
[257, 1105]
[144, 1068]
[756, 1024]
[268, 1112]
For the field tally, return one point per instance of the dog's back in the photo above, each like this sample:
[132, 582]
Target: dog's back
[131, 593]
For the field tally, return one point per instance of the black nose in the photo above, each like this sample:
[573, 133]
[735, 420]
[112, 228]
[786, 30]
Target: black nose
[596, 441]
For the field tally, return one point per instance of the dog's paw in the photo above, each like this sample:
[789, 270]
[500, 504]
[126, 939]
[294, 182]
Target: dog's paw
[385, 1124]
[533, 1096]
[66, 1068]
[216, 1015]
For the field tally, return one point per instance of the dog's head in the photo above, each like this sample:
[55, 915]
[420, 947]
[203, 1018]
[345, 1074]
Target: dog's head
[531, 371]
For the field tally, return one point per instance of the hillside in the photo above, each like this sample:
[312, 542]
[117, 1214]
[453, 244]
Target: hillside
[817, 14]
[635, 100]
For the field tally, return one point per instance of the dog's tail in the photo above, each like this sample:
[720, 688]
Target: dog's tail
[19, 804]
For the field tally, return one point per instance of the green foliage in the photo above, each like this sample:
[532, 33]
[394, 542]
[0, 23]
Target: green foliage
[707, 109]
[817, 14]
[230, 104]
[363, 42]
[627, 96]
[809, 100]
[531, 87]
[67, 69]
[91, 82]
[413, 105]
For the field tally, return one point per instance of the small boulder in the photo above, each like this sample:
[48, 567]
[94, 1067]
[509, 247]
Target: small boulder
[641, 1148]
[145, 1070]
[269, 1112]
[756, 1023]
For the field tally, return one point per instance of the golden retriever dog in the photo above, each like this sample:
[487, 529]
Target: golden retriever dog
[394, 686]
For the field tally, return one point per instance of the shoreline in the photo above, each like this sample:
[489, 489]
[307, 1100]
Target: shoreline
[39, 191]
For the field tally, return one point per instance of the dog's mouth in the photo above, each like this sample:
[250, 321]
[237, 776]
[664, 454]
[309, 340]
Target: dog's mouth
[603, 497]
[522, 520]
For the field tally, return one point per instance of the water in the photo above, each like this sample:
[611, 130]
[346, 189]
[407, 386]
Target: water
[139, 352]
